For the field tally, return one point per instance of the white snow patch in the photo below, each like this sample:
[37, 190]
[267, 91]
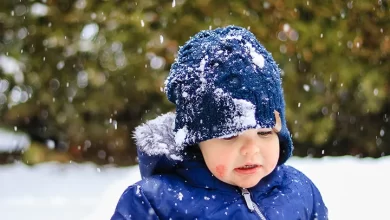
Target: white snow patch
[247, 110]
[244, 116]
[218, 94]
[202, 74]
[231, 37]
[257, 58]
[203, 64]
[176, 157]
[203, 85]
[13, 141]
[180, 196]
[180, 136]
[137, 192]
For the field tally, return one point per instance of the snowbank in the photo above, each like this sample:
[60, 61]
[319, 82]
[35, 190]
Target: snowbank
[352, 188]
[13, 141]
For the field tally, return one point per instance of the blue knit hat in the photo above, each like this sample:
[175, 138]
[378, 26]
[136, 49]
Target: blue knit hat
[224, 82]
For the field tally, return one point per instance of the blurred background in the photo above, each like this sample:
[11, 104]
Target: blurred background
[76, 76]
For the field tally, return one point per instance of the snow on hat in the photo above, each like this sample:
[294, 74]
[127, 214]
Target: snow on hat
[224, 82]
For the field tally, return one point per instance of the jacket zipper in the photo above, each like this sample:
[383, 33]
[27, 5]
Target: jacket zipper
[251, 205]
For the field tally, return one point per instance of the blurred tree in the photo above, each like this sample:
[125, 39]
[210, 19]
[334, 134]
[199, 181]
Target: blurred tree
[83, 73]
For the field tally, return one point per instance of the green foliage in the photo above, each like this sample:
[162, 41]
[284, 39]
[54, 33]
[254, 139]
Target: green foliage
[88, 89]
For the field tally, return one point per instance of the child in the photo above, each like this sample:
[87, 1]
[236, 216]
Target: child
[222, 154]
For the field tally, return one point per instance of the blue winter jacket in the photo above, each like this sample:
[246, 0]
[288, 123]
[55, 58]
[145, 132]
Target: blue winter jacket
[177, 184]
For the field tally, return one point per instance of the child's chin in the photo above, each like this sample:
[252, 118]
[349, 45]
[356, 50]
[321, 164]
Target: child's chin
[248, 184]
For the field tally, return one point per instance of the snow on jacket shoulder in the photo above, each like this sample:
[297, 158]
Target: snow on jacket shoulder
[181, 187]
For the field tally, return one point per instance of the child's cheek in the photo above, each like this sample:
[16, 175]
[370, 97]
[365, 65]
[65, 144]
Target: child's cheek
[221, 170]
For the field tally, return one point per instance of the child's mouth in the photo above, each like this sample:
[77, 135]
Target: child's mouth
[247, 169]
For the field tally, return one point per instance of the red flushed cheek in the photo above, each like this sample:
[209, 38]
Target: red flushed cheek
[220, 169]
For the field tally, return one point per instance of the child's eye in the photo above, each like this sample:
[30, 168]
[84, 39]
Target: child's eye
[264, 133]
[230, 138]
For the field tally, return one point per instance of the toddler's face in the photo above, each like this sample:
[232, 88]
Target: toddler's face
[242, 160]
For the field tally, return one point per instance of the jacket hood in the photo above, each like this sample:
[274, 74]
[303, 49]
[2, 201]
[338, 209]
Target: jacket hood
[156, 147]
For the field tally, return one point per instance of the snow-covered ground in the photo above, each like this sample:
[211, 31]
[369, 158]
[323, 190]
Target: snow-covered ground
[13, 141]
[352, 188]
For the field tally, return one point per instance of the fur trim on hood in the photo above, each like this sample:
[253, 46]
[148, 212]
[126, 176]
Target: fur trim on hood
[156, 137]
[157, 149]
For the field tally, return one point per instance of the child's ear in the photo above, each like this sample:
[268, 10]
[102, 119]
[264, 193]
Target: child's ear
[278, 122]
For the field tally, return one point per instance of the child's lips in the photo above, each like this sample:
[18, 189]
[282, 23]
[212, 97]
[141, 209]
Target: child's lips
[248, 169]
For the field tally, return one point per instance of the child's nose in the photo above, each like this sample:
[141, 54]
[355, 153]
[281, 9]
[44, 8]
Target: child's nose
[249, 148]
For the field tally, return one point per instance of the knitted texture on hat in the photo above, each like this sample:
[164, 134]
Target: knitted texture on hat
[224, 82]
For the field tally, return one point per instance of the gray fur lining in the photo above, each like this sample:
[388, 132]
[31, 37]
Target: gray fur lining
[157, 137]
